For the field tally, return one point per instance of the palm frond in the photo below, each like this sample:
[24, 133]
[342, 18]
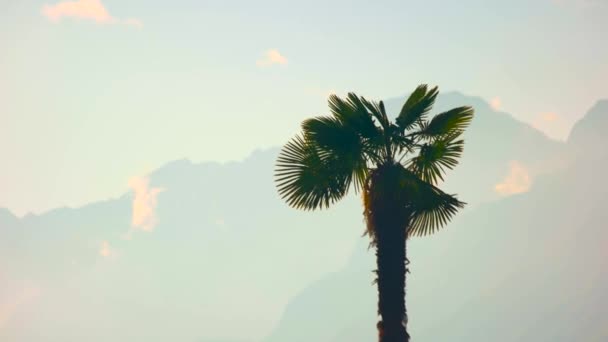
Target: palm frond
[454, 120]
[342, 141]
[378, 111]
[330, 133]
[433, 213]
[435, 158]
[431, 208]
[401, 143]
[351, 112]
[416, 107]
[308, 177]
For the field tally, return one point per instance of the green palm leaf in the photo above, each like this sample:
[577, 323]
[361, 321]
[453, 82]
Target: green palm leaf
[378, 111]
[352, 113]
[430, 207]
[332, 136]
[309, 178]
[330, 133]
[416, 107]
[433, 211]
[446, 123]
[435, 158]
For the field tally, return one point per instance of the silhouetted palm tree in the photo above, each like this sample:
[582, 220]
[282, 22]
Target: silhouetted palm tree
[395, 165]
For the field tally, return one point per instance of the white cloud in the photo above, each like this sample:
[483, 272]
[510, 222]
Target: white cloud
[85, 10]
[145, 200]
[271, 57]
[518, 180]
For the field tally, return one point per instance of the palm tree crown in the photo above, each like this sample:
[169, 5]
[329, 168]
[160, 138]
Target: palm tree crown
[396, 165]
[316, 168]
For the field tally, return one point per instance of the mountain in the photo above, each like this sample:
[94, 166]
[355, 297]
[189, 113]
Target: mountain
[217, 255]
[591, 127]
[589, 134]
[530, 267]
[221, 255]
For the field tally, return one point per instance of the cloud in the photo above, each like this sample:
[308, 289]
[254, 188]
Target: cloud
[105, 250]
[81, 9]
[517, 181]
[496, 103]
[86, 10]
[271, 57]
[144, 204]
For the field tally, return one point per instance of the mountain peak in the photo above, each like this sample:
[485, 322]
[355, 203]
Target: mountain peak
[590, 129]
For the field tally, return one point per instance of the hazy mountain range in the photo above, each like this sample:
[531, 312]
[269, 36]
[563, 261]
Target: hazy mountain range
[209, 252]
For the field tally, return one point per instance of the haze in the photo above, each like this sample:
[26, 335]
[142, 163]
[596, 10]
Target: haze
[139, 139]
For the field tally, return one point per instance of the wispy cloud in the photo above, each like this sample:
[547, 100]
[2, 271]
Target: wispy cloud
[272, 57]
[518, 180]
[93, 10]
[145, 200]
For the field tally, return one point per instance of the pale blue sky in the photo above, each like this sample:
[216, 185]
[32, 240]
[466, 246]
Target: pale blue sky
[84, 106]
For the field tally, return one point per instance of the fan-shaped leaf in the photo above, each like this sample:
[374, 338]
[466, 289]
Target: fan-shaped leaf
[433, 213]
[435, 158]
[454, 120]
[352, 113]
[378, 111]
[309, 178]
[330, 133]
[334, 137]
[431, 208]
[417, 106]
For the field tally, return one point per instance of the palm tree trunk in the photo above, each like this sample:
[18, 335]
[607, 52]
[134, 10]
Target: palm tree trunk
[391, 259]
[387, 219]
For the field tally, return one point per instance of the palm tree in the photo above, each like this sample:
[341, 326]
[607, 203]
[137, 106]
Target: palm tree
[396, 165]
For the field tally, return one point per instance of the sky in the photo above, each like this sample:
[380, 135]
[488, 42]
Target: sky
[96, 92]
